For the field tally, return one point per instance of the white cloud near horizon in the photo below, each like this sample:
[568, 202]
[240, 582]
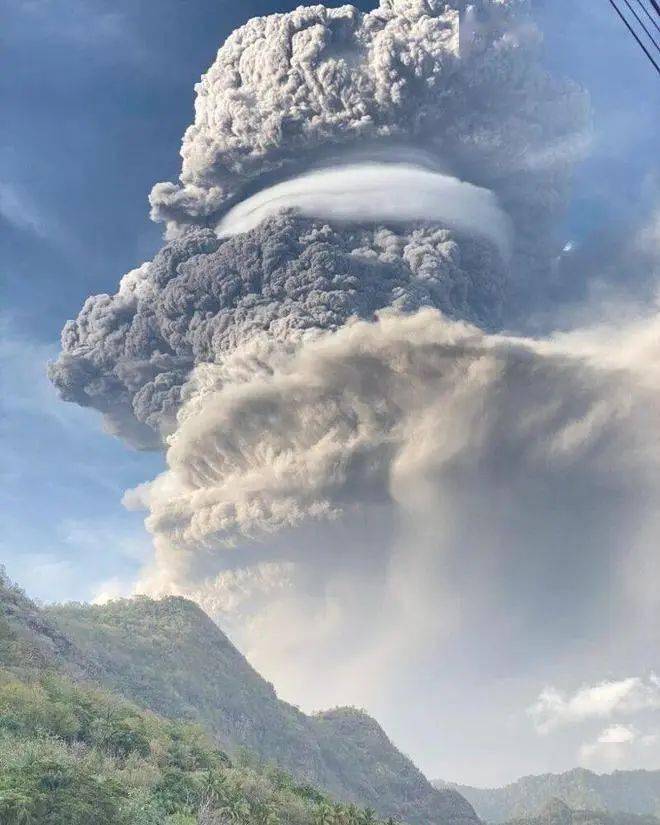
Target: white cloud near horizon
[555, 709]
[619, 746]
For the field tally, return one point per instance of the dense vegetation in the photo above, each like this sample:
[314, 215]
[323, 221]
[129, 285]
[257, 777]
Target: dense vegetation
[76, 754]
[168, 656]
[637, 792]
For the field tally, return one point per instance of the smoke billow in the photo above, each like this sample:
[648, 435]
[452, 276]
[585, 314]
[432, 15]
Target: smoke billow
[460, 86]
[467, 439]
[460, 80]
[362, 472]
[129, 355]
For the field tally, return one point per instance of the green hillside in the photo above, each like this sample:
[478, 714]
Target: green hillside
[28, 639]
[168, 656]
[74, 754]
[142, 712]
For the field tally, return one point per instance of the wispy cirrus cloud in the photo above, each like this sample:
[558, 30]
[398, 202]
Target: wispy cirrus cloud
[19, 210]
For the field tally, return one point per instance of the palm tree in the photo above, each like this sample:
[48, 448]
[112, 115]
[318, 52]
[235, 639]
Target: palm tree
[235, 809]
[343, 815]
[324, 815]
[369, 817]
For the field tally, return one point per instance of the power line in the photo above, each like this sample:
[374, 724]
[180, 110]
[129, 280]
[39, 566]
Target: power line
[656, 7]
[634, 33]
[646, 31]
[648, 14]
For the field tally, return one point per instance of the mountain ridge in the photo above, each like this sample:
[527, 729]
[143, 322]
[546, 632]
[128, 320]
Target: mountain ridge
[636, 792]
[556, 812]
[169, 657]
[72, 752]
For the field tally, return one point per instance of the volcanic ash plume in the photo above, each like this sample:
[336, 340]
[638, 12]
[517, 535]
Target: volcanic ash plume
[460, 87]
[361, 470]
[459, 80]
[129, 355]
[376, 468]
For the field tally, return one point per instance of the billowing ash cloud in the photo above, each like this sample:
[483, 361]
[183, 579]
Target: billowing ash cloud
[414, 493]
[460, 80]
[129, 354]
[278, 434]
[459, 87]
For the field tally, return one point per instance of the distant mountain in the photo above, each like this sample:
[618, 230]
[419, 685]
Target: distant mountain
[635, 792]
[169, 657]
[556, 812]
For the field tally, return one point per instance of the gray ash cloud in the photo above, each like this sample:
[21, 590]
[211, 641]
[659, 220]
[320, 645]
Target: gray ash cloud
[129, 354]
[462, 81]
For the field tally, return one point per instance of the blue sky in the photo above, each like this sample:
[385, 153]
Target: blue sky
[96, 96]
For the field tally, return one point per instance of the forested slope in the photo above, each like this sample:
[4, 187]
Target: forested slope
[167, 655]
[74, 754]
[169, 658]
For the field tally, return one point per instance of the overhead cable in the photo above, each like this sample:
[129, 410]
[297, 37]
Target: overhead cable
[634, 33]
